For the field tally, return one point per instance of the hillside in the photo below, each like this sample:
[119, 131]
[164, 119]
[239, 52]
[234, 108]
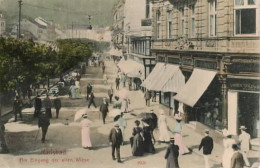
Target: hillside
[63, 12]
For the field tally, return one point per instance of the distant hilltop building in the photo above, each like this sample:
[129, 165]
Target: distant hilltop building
[2, 24]
[40, 29]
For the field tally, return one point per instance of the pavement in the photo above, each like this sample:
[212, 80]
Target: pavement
[63, 149]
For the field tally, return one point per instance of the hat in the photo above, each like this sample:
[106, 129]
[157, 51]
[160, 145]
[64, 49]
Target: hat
[137, 122]
[242, 127]
[172, 139]
[235, 147]
[85, 115]
[206, 131]
[177, 117]
[116, 125]
[226, 132]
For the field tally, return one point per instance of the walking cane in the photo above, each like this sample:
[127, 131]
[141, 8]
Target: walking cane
[37, 134]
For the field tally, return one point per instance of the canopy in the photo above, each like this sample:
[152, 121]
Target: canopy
[131, 68]
[153, 76]
[164, 77]
[175, 83]
[199, 81]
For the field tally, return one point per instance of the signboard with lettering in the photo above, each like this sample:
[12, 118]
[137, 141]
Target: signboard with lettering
[173, 60]
[244, 67]
[206, 64]
[243, 84]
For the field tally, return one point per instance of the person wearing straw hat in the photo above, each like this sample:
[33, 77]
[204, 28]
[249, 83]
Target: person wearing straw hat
[244, 139]
[85, 132]
[207, 145]
[163, 128]
[228, 141]
[116, 139]
[172, 155]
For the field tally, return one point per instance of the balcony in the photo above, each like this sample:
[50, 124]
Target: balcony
[146, 22]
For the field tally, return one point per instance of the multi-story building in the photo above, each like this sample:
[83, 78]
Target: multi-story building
[118, 25]
[215, 45]
[2, 24]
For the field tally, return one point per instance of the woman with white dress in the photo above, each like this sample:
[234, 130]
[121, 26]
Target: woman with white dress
[228, 141]
[163, 128]
[85, 132]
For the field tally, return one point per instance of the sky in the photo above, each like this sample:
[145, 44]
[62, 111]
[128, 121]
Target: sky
[62, 12]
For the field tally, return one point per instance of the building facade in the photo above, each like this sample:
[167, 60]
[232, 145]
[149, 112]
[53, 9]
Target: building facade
[215, 43]
[2, 24]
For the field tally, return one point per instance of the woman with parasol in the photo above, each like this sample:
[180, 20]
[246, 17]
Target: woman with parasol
[85, 132]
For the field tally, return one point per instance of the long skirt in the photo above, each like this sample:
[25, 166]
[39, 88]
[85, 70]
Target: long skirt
[137, 148]
[85, 136]
[179, 141]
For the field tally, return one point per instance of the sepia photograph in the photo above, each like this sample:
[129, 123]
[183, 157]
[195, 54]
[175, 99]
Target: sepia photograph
[129, 84]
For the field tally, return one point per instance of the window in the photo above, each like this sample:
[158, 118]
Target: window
[158, 26]
[147, 14]
[169, 16]
[182, 22]
[245, 17]
[192, 23]
[213, 18]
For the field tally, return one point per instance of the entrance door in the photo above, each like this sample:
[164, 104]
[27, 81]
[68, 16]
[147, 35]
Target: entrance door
[248, 112]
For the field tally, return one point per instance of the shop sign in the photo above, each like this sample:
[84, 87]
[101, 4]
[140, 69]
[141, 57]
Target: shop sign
[243, 67]
[243, 84]
[187, 62]
[206, 64]
[173, 60]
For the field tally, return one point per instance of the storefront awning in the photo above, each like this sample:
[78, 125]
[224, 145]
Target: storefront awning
[153, 76]
[199, 81]
[166, 73]
[131, 68]
[164, 77]
[175, 82]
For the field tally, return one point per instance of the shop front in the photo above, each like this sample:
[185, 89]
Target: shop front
[243, 104]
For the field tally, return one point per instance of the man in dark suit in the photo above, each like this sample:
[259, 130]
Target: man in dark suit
[237, 160]
[57, 105]
[117, 82]
[116, 139]
[207, 145]
[17, 108]
[37, 106]
[47, 104]
[92, 100]
[43, 123]
[89, 90]
[104, 110]
[172, 155]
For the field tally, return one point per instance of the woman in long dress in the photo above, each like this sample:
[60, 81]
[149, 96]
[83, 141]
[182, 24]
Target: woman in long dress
[228, 141]
[178, 137]
[163, 128]
[148, 144]
[85, 132]
[137, 147]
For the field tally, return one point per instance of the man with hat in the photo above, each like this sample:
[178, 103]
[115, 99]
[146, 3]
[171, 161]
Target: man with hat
[172, 155]
[89, 90]
[47, 104]
[17, 108]
[116, 139]
[207, 145]
[43, 123]
[244, 139]
[104, 110]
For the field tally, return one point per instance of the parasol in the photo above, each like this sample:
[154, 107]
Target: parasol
[149, 118]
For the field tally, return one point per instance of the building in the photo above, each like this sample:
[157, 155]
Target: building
[215, 45]
[40, 29]
[2, 24]
[132, 34]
